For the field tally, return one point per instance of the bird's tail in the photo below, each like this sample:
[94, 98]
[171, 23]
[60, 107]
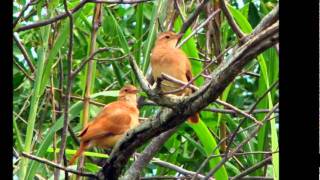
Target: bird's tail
[82, 148]
[194, 118]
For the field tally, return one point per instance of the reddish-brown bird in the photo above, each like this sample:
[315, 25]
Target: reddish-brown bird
[108, 127]
[168, 59]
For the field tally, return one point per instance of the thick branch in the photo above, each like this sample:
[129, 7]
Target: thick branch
[167, 118]
[136, 168]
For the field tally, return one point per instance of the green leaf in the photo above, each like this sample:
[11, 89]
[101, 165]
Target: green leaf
[47, 141]
[105, 93]
[156, 10]
[209, 143]
[262, 135]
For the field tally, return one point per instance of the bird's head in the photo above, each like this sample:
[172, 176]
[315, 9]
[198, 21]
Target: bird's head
[168, 39]
[128, 93]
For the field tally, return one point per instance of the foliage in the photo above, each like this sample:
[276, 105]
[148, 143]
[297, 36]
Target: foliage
[133, 28]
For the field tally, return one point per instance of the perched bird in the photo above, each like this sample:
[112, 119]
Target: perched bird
[108, 127]
[168, 59]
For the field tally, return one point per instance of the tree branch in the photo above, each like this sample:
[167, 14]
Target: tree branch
[57, 166]
[250, 136]
[68, 91]
[92, 55]
[136, 168]
[74, 10]
[191, 19]
[31, 2]
[212, 15]
[253, 168]
[236, 29]
[24, 52]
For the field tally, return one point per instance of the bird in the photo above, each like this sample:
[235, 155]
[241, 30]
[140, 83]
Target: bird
[168, 59]
[110, 125]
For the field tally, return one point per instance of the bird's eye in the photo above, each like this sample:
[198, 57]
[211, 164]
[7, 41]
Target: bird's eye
[126, 90]
[167, 37]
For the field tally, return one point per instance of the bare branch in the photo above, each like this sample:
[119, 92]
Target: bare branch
[177, 7]
[263, 95]
[57, 166]
[52, 20]
[236, 29]
[68, 91]
[143, 159]
[119, 1]
[212, 15]
[230, 111]
[177, 168]
[74, 10]
[250, 136]
[31, 2]
[24, 52]
[84, 62]
[193, 17]
[253, 168]
[23, 71]
[238, 111]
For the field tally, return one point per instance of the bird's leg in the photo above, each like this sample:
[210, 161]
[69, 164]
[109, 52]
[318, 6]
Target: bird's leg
[158, 85]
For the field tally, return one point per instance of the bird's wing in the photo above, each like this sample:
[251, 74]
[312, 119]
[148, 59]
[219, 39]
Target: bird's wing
[112, 120]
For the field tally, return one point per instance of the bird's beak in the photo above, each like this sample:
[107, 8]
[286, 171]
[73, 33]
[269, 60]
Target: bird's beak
[180, 35]
[135, 91]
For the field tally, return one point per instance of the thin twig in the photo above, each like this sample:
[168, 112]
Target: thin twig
[91, 56]
[274, 84]
[23, 71]
[165, 177]
[250, 136]
[246, 153]
[52, 20]
[24, 53]
[177, 7]
[230, 111]
[250, 74]
[74, 10]
[238, 111]
[192, 18]
[253, 168]
[212, 15]
[31, 2]
[236, 29]
[177, 168]
[119, 1]
[111, 59]
[68, 91]
[57, 166]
